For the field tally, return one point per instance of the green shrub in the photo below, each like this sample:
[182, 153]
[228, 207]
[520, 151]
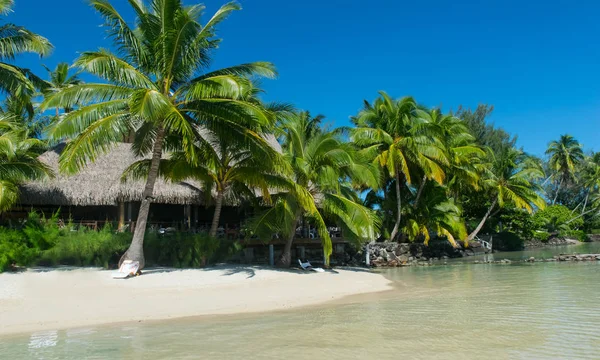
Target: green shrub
[556, 218]
[41, 233]
[44, 242]
[577, 234]
[595, 231]
[183, 250]
[14, 249]
[87, 248]
[507, 241]
[519, 222]
[542, 236]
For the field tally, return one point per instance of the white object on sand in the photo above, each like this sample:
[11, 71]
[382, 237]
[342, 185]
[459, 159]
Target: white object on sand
[128, 268]
[308, 266]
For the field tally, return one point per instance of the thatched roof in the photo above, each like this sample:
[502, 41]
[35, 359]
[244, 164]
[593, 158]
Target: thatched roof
[99, 183]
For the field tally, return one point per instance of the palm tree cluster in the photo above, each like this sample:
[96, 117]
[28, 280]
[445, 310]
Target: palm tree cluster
[432, 161]
[402, 172]
[574, 177]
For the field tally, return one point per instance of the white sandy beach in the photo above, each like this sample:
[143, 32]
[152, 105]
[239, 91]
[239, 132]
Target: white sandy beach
[57, 299]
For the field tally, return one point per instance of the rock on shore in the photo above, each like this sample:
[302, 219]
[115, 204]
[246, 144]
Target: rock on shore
[392, 254]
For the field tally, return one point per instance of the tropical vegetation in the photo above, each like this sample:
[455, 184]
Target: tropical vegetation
[402, 171]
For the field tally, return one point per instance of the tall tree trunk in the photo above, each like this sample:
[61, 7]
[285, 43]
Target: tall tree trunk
[557, 191]
[286, 256]
[416, 203]
[217, 215]
[399, 208]
[587, 195]
[478, 228]
[136, 249]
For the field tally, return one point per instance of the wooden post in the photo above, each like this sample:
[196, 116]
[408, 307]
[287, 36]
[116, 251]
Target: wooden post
[121, 216]
[271, 255]
[367, 257]
[302, 251]
[196, 217]
[324, 257]
[129, 211]
[188, 216]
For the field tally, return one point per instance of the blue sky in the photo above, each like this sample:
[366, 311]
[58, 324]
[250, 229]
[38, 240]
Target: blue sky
[537, 62]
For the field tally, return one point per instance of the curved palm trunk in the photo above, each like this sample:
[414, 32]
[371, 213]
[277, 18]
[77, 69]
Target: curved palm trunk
[557, 191]
[399, 209]
[416, 203]
[286, 256]
[217, 215]
[136, 249]
[587, 196]
[478, 228]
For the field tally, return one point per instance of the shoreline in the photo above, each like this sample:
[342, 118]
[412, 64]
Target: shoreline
[55, 299]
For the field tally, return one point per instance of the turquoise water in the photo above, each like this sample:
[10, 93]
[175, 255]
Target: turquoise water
[462, 311]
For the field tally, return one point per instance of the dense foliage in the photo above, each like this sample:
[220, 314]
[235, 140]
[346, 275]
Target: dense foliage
[46, 241]
[401, 172]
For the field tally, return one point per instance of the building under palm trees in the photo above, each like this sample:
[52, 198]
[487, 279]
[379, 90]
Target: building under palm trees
[97, 195]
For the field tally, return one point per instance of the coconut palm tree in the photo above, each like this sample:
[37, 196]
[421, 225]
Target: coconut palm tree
[565, 154]
[18, 160]
[157, 87]
[227, 169]
[59, 80]
[325, 173]
[463, 154]
[16, 82]
[510, 178]
[590, 177]
[435, 213]
[399, 141]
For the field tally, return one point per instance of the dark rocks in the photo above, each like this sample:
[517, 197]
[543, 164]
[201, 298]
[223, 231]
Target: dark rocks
[402, 254]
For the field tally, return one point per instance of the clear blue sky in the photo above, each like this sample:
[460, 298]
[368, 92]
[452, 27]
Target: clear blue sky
[537, 62]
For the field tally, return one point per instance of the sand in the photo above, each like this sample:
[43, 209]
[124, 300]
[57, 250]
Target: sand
[39, 300]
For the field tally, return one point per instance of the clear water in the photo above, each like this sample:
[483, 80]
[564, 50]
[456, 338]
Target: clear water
[461, 311]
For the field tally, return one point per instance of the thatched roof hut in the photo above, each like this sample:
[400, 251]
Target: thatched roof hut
[99, 183]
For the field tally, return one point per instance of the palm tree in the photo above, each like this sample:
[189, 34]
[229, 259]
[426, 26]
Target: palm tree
[16, 82]
[156, 87]
[399, 141]
[590, 177]
[59, 80]
[18, 160]
[325, 173]
[510, 179]
[463, 154]
[438, 213]
[565, 154]
[228, 168]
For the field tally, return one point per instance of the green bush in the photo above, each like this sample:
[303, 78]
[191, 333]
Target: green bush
[183, 250]
[14, 250]
[556, 218]
[508, 241]
[518, 221]
[542, 236]
[577, 234]
[41, 233]
[87, 248]
[44, 242]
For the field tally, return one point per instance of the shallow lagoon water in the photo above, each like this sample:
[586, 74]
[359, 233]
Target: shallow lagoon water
[459, 311]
